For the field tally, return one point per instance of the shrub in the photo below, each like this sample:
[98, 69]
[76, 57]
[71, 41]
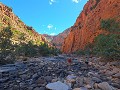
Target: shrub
[6, 47]
[110, 25]
[80, 52]
[108, 46]
[45, 50]
[26, 50]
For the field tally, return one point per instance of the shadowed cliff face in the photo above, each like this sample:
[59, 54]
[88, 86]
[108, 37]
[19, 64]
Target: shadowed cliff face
[8, 18]
[87, 25]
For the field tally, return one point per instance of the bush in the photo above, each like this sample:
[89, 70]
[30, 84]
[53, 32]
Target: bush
[31, 50]
[80, 52]
[110, 25]
[26, 50]
[6, 47]
[108, 46]
[45, 50]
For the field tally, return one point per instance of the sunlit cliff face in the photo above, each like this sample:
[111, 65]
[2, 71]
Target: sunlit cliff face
[87, 25]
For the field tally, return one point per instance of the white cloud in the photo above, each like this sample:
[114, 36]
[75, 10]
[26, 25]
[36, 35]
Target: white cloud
[51, 2]
[50, 26]
[52, 34]
[76, 1]
[55, 28]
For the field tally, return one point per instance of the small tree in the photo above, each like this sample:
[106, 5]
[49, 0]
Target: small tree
[26, 50]
[6, 46]
[44, 49]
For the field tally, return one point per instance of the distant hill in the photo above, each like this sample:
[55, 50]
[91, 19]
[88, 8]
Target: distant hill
[58, 39]
[19, 28]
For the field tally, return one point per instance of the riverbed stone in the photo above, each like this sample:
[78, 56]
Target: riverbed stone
[104, 86]
[57, 86]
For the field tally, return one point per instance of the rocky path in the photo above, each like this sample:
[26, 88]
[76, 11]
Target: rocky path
[55, 74]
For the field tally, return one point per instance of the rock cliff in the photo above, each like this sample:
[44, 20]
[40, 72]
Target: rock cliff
[59, 39]
[87, 25]
[49, 38]
[8, 18]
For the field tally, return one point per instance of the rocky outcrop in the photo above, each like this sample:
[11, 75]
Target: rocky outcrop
[48, 37]
[87, 25]
[7, 17]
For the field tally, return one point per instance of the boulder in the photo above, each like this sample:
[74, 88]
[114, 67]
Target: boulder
[104, 86]
[57, 86]
[116, 75]
[71, 78]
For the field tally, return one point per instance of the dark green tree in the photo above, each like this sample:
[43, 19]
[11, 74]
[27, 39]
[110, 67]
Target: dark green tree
[26, 50]
[6, 46]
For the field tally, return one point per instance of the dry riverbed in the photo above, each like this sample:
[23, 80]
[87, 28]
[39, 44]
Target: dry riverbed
[53, 73]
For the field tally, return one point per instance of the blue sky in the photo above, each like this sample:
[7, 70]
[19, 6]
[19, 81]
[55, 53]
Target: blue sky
[47, 16]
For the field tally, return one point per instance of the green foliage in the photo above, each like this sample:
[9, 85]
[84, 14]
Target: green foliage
[80, 52]
[21, 36]
[108, 46]
[26, 50]
[5, 42]
[19, 21]
[6, 19]
[1, 24]
[110, 25]
[45, 50]
[6, 47]
[16, 32]
[31, 50]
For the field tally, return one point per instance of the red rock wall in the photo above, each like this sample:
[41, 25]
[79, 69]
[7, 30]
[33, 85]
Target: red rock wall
[87, 25]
